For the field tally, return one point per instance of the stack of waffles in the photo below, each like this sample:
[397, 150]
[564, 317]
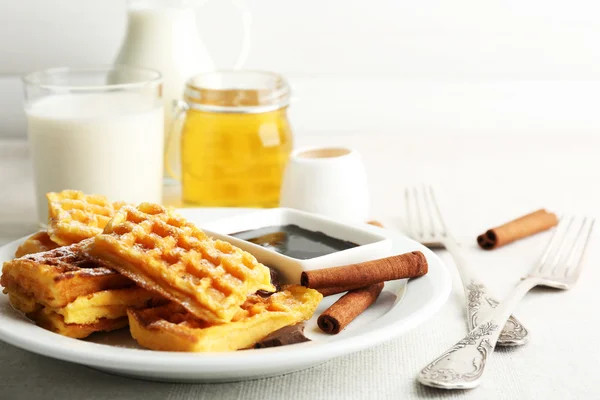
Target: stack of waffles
[102, 266]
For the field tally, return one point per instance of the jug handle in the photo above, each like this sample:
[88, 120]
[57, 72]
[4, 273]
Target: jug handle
[172, 148]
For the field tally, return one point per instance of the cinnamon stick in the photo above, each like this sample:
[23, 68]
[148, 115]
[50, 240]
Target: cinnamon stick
[348, 307]
[375, 223]
[519, 228]
[408, 265]
[330, 291]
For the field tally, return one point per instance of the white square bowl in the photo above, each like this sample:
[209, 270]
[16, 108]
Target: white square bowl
[371, 245]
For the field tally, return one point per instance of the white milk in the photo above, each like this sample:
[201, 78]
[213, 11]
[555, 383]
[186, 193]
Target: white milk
[101, 143]
[165, 39]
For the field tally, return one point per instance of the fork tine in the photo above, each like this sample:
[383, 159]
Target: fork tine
[420, 229]
[550, 246]
[437, 211]
[429, 209]
[561, 247]
[409, 216]
[578, 250]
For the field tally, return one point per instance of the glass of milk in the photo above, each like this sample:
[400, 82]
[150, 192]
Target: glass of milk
[98, 130]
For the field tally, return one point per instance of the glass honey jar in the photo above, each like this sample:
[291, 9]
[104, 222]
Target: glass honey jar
[235, 139]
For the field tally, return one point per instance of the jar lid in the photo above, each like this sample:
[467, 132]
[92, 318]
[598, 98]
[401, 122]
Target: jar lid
[237, 91]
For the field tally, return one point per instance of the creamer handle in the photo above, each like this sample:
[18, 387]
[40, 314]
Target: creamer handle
[173, 148]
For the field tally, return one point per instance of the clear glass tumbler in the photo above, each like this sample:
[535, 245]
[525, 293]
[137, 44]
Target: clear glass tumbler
[98, 130]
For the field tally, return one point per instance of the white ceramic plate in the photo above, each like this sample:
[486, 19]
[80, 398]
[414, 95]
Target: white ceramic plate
[399, 308]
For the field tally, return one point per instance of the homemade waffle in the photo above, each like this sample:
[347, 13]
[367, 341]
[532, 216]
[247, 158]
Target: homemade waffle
[93, 307]
[172, 328]
[48, 319]
[74, 216]
[36, 243]
[162, 252]
[108, 304]
[23, 303]
[57, 277]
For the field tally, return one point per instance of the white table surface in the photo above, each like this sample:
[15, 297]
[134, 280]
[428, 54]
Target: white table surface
[481, 181]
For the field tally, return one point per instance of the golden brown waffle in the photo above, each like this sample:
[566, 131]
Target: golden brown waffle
[74, 216]
[36, 243]
[172, 328]
[23, 303]
[164, 253]
[108, 304]
[93, 307]
[54, 322]
[118, 204]
[57, 277]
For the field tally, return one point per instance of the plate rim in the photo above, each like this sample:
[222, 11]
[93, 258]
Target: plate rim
[147, 360]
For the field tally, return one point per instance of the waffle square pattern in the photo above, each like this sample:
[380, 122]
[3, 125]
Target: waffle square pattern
[164, 253]
[74, 216]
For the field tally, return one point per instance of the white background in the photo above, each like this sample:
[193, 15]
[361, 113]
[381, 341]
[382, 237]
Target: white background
[431, 67]
[516, 39]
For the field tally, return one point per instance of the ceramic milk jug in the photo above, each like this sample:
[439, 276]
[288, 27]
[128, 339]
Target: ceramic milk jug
[163, 35]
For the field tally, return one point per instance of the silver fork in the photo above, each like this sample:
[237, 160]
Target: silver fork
[462, 366]
[427, 226]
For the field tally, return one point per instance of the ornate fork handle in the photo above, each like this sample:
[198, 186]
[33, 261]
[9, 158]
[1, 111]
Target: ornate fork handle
[462, 365]
[479, 303]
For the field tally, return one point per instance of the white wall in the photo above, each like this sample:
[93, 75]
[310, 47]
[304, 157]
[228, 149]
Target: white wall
[458, 38]
[471, 41]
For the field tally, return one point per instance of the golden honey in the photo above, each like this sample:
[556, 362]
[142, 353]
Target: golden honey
[234, 159]
[235, 143]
